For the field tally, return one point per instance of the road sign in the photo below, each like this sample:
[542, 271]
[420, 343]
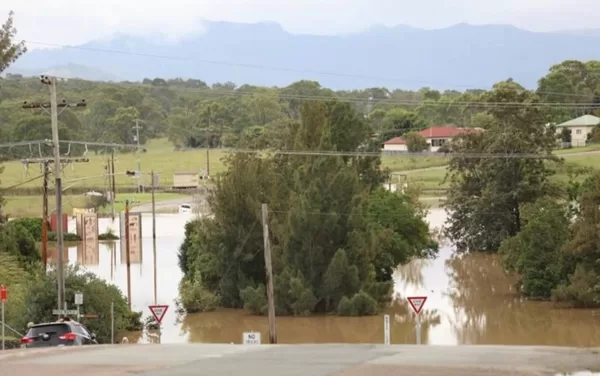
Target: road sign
[417, 303]
[251, 338]
[158, 311]
[386, 329]
[79, 298]
[93, 316]
[3, 293]
[64, 311]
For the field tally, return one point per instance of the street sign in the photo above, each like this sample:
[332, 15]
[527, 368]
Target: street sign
[93, 316]
[64, 311]
[417, 303]
[3, 293]
[251, 338]
[386, 330]
[158, 311]
[79, 298]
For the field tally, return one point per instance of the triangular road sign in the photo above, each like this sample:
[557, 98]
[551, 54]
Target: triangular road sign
[158, 311]
[417, 303]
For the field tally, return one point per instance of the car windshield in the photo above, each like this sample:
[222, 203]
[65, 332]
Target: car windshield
[35, 331]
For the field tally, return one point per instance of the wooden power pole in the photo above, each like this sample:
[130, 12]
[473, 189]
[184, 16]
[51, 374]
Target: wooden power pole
[127, 255]
[269, 275]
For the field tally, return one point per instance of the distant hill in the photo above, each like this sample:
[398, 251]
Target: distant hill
[458, 57]
[68, 70]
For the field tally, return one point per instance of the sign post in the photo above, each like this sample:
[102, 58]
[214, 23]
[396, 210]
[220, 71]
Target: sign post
[251, 338]
[386, 330]
[3, 298]
[78, 302]
[158, 311]
[417, 303]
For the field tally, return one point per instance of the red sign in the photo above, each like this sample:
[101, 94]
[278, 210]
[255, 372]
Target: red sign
[158, 311]
[3, 293]
[417, 303]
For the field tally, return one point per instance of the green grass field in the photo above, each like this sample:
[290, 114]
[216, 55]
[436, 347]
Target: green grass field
[31, 206]
[161, 158]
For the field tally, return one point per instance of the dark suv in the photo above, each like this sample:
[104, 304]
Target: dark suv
[61, 333]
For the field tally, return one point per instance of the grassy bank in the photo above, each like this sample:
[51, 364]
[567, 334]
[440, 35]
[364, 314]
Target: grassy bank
[31, 206]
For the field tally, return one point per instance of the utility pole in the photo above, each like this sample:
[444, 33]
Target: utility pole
[208, 143]
[127, 255]
[45, 216]
[51, 82]
[45, 162]
[139, 164]
[154, 235]
[269, 275]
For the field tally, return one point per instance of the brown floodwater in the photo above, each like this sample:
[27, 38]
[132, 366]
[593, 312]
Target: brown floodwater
[469, 301]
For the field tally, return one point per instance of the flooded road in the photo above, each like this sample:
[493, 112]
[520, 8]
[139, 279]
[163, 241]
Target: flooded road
[470, 301]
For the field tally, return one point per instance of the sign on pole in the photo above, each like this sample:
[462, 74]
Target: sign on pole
[3, 293]
[251, 338]
[386, 329]
[3, 298]
[79, 298]
[64, 312]
[417, 303]
[158, 311]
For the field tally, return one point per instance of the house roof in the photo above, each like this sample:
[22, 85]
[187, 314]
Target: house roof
[585, 121]
[443, 131]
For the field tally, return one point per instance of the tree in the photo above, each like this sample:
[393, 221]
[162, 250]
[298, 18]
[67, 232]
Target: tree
[399, 121]
[9, 51]
[415, 142]
[583, 287]
[536, 253]
[332, 231]
[487, 192]
[565, 136]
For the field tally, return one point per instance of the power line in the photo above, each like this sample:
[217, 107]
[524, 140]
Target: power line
[272, 68]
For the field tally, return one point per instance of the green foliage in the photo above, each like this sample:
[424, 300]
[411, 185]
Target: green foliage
[9, 50]
[32, 225]
[67, 236]
[330, 232]
[108, 235]
[536, 253]
[415, 142]
[486, 194]
[16, 240]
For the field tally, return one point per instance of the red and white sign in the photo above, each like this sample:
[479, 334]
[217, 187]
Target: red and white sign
[158, 311]
[417, 303]
[3, 293]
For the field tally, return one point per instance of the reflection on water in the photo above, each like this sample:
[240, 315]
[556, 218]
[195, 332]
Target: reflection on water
[470, 301]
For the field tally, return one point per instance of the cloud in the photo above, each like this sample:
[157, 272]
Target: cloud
[78, 21]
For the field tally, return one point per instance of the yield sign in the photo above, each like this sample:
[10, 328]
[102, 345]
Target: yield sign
[158, 311]
[417, 303]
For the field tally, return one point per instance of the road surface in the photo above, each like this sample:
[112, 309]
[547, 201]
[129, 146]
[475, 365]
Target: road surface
[298, 360]
[165, 205]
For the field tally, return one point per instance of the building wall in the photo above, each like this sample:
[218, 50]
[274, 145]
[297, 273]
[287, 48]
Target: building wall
[578, 135]
[395, 147]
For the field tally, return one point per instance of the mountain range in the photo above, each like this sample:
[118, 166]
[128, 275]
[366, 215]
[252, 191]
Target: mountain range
[457, 57]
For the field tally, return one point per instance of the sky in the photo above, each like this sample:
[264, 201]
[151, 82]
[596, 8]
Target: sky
[79, 21]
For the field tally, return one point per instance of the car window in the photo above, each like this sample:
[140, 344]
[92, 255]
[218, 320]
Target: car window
[58, 329]
[80, 329]
[186, 207]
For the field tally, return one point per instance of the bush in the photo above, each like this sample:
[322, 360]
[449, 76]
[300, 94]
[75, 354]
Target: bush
[360, 304]
[32, 225]
[108, 235]
[67, 236]
[195, 298]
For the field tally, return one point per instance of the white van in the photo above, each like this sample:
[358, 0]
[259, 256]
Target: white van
[185, 208]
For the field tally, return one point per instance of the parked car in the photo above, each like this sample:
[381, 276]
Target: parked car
[185, 208]
[61, 333]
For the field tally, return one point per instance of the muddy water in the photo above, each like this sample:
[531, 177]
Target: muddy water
[470, 301]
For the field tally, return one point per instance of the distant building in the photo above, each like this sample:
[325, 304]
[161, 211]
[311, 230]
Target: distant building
[436, 137]
[580, 128]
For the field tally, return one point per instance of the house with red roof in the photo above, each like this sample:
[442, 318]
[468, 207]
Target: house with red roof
[436, 137]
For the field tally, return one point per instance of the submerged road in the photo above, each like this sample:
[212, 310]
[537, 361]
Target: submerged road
[298, 360]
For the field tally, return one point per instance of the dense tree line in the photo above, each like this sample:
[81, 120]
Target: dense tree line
[336, 236]
[502, 198]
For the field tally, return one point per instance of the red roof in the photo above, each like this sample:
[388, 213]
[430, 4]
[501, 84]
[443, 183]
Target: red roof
[444, 131]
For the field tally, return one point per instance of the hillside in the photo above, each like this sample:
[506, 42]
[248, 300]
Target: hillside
[458, 57]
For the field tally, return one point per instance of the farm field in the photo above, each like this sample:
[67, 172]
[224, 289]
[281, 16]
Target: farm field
[165, 161]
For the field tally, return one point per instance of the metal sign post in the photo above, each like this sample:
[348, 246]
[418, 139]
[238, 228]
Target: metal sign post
[417, 303]
[386, 329]
[78, 302]
[3, 298]
[158, 311]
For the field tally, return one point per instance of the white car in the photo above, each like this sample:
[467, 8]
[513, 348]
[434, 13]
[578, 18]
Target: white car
[185, 208]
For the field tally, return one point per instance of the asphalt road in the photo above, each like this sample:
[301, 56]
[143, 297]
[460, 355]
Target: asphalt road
[298, 360]
[164, 206]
